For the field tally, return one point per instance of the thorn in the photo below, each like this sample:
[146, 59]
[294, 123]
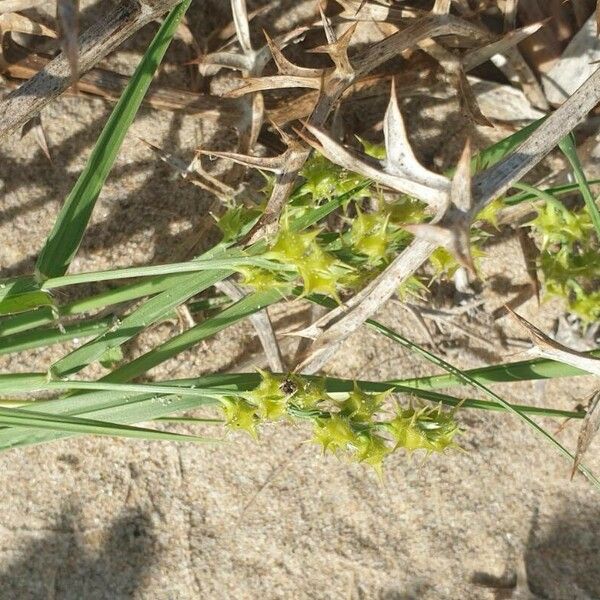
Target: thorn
[338, 51]
[284, 66]
[287, 139]
[188, 172]
[468, 100]
[274, 164]
[460, 191]
[35, 125]
[329, 32]
[455, 239]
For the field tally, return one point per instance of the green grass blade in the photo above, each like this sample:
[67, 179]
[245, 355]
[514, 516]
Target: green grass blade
[231, 261]
[488, 157]
[525, 370]
[236, 312]
[82, 426]
[67, 233]
[20, 294]
[27, 340]
[436, 360]
[558, 190]
[44, 316]
[102, 406]
[567, 146]
[147, 314]
[125, 404]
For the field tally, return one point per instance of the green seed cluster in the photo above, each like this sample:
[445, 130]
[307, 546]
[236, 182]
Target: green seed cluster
[362, 245]
[358, 427]
[569, 258]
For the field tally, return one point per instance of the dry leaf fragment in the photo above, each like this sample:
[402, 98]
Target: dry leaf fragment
[285, 66]
[478, 56]
[574, 66]
[192, 172]
[546, 347]
[35, 126]
[67, 12]
[13, 22]
[589, 429]
[250, 62]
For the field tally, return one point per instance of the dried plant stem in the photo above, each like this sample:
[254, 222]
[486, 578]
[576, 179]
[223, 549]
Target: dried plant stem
[496, 180]
[94, 44]
[334, 85]
[337, 325]
[110, 85]
[262, 324]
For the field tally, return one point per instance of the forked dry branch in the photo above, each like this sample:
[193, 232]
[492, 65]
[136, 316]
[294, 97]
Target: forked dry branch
[332, 83]
[545, 347]
[488, 185]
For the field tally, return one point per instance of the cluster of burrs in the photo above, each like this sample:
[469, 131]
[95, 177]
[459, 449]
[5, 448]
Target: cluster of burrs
[356, 424]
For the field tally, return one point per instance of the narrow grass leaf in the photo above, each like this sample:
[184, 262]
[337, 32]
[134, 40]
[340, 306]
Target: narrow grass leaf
[67, 233]
[123, 403]
[44, 315]
[436, 360]
[567, 145]
[233, 260]
[39, 338]
[488, 157]
[20, 294]
[147, 314]
[525, 370]
[529, 194]
[236, 312]
[78, 425]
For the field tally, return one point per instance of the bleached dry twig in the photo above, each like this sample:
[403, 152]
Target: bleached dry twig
[261, 323]
[337, 325]
[109, 85]
[94, 44]
[546, 347]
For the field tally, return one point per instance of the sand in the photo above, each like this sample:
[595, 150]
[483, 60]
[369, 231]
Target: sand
[100, 518]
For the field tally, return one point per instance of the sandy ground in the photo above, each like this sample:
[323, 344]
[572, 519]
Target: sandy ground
[95, 518]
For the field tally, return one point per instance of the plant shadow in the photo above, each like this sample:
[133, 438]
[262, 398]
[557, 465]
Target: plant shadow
[561, 560]
[60, 565]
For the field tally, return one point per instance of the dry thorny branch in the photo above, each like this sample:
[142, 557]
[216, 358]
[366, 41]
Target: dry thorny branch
[545, 347]
[455, 44]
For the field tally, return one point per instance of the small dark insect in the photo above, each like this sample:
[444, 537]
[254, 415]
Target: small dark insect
[288, 387]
